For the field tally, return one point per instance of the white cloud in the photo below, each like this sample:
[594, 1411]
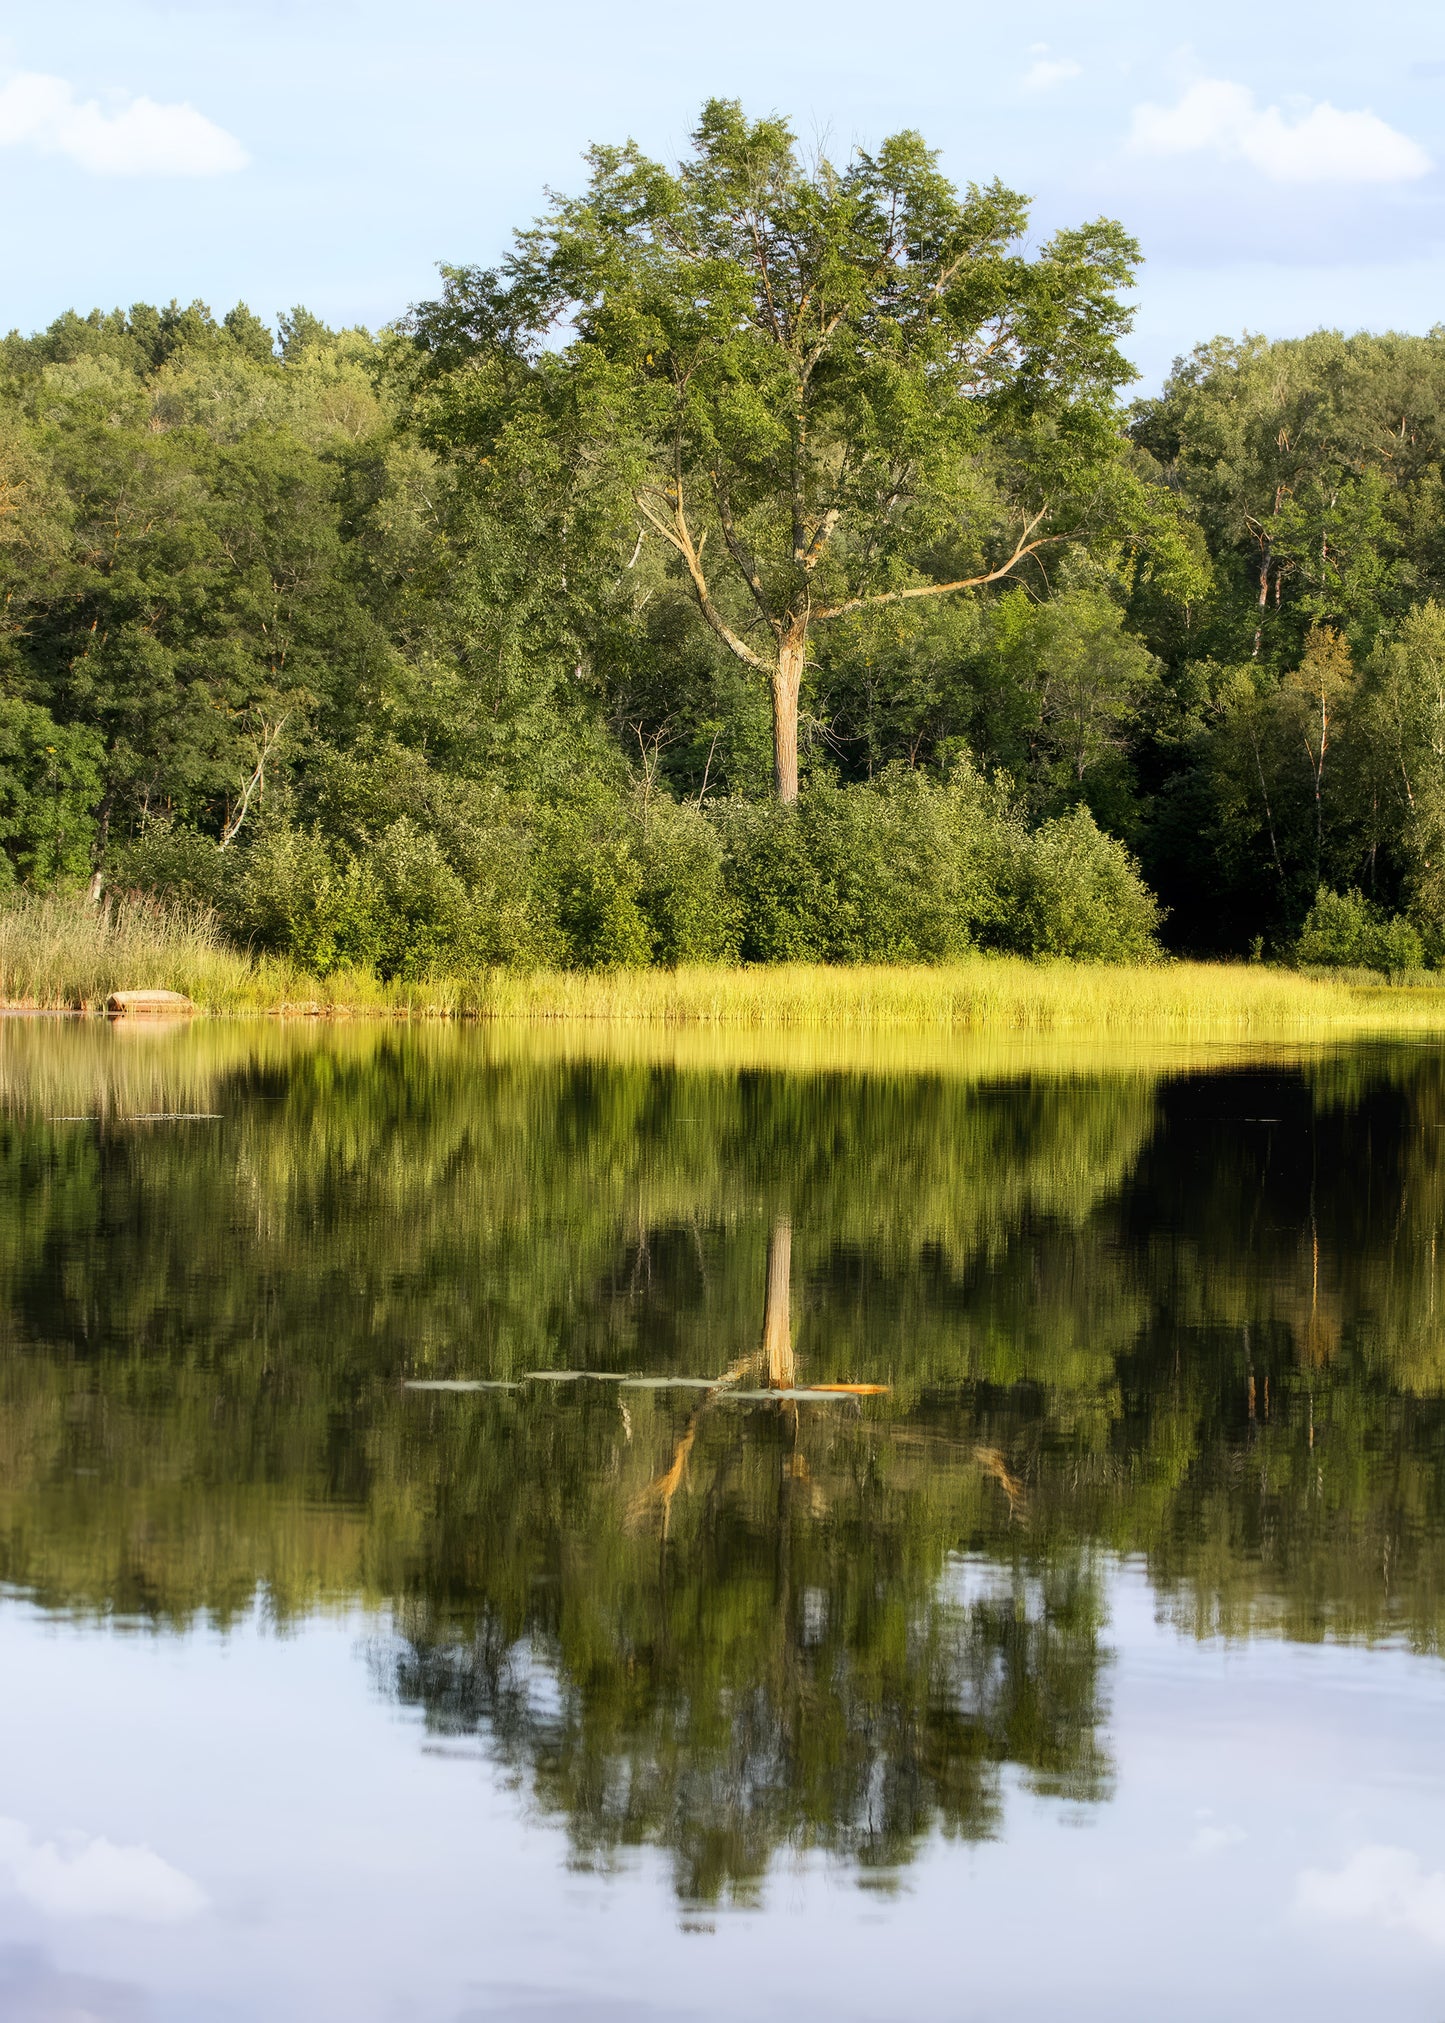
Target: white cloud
[133, 137]
[94, 1878]
[1215, 1839]
[1320, 145]
[1046, 71]
[1382, 1885]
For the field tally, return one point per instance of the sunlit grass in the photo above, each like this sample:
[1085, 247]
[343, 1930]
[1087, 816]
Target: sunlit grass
[59, 953]
[984, 993]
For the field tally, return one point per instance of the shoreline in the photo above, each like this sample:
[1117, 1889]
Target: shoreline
[979, 995]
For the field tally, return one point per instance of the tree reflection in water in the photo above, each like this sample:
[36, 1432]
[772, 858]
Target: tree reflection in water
[759, 1649]
[1191, 1316]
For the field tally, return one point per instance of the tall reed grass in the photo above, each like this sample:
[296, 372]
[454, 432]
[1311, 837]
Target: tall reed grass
[983, 993]
[59, 953]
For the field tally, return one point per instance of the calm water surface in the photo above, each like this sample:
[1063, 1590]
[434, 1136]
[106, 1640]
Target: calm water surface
[1083, 1659]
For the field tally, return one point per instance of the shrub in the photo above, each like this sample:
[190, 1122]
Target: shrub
[297, 897]
[1077, 892]
[903, 870]
[1344, 930]
[190, 869]
[772, 881]
[690, 914]
[881, 856]
[419, 918]
[588, 883]
[906, 869]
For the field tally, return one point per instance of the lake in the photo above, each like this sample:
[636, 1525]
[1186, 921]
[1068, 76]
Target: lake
[529, 1525]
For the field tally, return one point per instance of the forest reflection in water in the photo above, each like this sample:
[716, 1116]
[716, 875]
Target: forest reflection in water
[1177, 1310]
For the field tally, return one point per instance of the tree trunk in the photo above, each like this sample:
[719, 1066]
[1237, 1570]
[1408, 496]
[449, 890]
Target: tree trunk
[777, 1315]
[787, 680]
[1319, 785]
[1263, 605]
[97, 876]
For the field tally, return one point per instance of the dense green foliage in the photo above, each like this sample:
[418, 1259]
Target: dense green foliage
[496, 639]
[1343, 930]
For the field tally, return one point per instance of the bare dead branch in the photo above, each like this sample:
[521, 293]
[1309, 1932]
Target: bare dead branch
[1024, 548]
[270, 737]
[679, 536]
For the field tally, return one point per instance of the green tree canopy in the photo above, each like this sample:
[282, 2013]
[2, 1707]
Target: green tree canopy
[822, 389]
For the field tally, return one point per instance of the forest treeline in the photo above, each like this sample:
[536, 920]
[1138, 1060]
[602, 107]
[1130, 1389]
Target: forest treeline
[764, 562]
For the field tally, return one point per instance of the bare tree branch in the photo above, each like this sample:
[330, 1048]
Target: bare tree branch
[270, 736]
[1024, 548]
[679, 536]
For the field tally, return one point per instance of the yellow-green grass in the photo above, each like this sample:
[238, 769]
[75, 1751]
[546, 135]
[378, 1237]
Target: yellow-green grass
[983, 993]
[57, 953]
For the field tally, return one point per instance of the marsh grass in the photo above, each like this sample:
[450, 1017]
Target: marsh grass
[59, 953]
[984, 993]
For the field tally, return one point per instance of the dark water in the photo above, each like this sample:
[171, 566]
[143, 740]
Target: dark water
[1091, 1667]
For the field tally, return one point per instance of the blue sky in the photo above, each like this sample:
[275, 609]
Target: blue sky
[1283, 167]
